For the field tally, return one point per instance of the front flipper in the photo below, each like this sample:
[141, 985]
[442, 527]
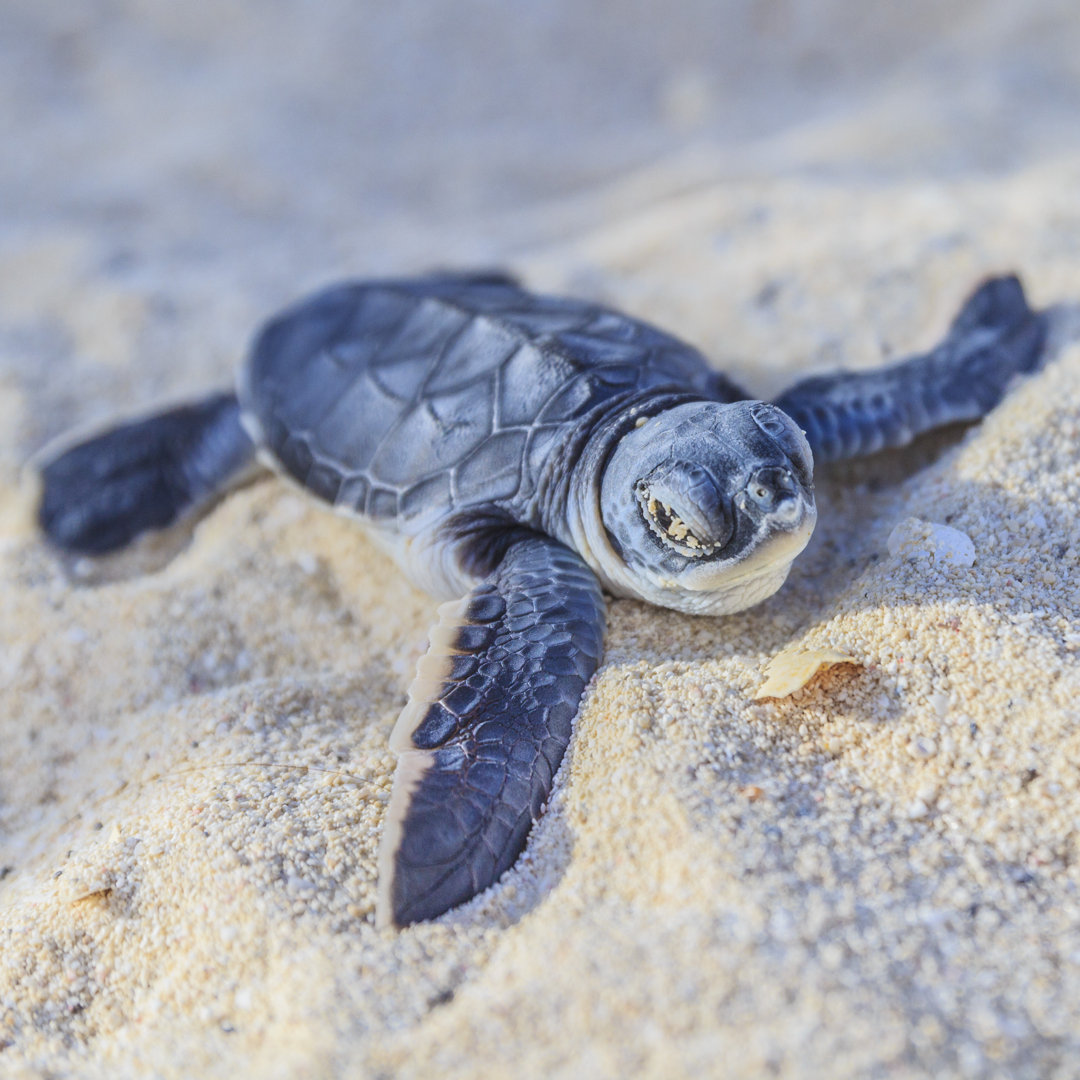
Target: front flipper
[995, 337]
[138, 478]
[488, 720]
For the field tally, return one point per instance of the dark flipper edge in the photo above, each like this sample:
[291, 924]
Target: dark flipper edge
[488, 721]
[103, 493]
[995, 337]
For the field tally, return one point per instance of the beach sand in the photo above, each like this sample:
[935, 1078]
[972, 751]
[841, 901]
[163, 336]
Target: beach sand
[877, 875]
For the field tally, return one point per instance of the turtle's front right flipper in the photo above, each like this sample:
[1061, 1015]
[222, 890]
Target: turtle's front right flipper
[995, 337]
[487, 723]
[143, 477]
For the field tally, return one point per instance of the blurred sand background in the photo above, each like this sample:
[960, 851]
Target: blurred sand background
[876, 876]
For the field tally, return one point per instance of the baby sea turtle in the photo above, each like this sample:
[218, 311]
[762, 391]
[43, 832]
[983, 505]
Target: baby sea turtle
[518, 455]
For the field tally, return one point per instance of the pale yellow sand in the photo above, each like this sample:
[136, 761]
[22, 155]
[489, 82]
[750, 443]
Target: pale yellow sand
[875, 876]
[877, 873]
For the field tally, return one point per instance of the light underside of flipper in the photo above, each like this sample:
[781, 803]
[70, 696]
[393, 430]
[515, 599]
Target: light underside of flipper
[412, 767]
[489, 718]
[433, 671]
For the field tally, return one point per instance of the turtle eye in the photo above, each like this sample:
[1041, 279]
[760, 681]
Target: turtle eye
[784, 431]
[682, 506]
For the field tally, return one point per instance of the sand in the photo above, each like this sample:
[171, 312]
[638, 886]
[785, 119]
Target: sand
[877, 875]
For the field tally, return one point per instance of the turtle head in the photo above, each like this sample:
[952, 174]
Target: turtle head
[705, 506]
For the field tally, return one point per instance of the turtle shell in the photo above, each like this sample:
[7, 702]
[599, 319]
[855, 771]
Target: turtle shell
[425, 397]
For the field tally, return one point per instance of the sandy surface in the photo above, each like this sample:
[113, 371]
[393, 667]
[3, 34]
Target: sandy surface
[879, 875]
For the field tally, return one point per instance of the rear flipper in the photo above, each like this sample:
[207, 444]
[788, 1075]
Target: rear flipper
[141, 478]
[995, 337]
[488, 721]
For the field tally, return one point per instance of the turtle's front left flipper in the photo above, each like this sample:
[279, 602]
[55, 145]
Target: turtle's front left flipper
[995, 337]
[142, 477]
[487, 723]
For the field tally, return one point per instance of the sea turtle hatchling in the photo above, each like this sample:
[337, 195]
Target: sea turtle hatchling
[518, 455]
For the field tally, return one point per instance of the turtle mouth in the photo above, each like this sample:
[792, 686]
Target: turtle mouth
[772, 499]
[666, 524]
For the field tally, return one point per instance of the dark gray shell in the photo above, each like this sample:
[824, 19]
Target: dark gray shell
[435, 395]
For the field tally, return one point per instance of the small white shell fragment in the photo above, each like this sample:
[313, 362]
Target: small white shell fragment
[792, 668]
[940, 704]
[914, 538]
[922, 747]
